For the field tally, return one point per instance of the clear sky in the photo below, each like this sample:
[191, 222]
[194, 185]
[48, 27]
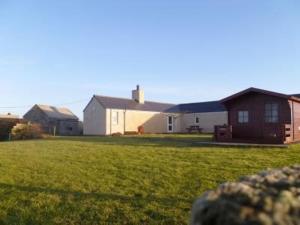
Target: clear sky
[63, 51]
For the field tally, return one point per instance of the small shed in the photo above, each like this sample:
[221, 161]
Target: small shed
[7, 122]
[54, 120]
[261, 116]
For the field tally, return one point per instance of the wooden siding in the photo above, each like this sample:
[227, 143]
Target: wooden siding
[296, 120]
[257, 129]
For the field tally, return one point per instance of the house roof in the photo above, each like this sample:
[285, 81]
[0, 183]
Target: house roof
[57, 113]
[123, 103]
[257, 90]
[8, 116]
[202, 107]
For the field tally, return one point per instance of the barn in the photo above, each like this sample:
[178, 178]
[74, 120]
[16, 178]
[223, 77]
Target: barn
[261, 116]
[54, 120]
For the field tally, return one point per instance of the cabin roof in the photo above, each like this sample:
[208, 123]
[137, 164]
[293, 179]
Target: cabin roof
[261, 91]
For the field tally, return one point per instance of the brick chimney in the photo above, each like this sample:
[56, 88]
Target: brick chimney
[138, 95]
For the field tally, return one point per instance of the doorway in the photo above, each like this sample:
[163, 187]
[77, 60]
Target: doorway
[170, 124]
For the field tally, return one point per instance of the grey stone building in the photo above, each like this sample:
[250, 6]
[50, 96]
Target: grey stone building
[53, 120]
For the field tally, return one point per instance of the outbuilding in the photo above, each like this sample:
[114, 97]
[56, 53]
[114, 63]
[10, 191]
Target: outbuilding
[54, 120]
[261, 116]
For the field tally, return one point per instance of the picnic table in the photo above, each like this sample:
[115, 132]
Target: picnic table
[194, 128]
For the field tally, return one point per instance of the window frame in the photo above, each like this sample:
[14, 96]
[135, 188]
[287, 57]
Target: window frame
[243, 116]
[271, 113]
[115, 118]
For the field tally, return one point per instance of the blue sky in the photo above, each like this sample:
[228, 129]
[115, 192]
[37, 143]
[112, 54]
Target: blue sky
[62, 51]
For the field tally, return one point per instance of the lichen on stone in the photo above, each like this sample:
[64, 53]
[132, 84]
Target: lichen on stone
[269, 198]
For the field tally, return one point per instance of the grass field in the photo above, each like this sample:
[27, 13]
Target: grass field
[119, 180]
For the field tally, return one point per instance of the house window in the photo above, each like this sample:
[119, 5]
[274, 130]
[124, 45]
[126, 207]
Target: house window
[197, 120]
[243, 116]
[271, 113]
[115, 118]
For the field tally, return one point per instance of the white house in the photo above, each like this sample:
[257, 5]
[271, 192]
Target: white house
[108, 115]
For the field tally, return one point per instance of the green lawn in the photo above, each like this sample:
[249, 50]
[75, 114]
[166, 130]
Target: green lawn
[119, 180]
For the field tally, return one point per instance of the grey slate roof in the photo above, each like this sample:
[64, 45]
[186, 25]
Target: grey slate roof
[122, 103]
[57, 113]
[202, 107]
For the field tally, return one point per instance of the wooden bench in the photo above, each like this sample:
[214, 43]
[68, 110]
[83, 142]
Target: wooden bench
[194, 128]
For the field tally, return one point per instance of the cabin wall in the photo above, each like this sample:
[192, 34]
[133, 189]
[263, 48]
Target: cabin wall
[257, 129]
[296, 120]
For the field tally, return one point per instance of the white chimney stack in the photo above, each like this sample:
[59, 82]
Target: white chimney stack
[138, 95]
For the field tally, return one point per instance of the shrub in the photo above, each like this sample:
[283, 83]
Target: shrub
[270, 198]
[26, 131]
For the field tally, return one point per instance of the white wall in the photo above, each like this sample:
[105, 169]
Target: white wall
[94, 119]
[153, 122]
[110, 126]
[207, 121]
[130, 120]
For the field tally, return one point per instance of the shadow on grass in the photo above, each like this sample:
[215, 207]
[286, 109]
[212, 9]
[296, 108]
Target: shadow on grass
[203, 141]
[143, 141]
[167, 201]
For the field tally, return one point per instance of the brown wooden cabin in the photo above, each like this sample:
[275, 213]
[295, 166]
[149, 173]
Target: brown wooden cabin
[260, 116]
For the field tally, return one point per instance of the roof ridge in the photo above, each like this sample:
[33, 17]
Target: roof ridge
[53, 106]
[268, 91]
[253, 89]
[105, 96]
[129, 99]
